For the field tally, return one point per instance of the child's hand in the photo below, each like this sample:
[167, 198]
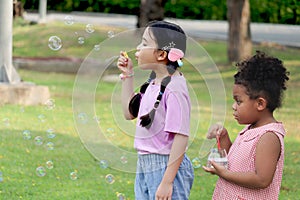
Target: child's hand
[125, 63]
[216, 169]
[216, 130]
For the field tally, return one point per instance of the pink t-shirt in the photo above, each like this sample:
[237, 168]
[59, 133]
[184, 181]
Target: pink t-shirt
[172, 116]
[241, 158]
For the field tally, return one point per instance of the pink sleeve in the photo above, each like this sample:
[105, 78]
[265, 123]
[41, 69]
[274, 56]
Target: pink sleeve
[177, 113]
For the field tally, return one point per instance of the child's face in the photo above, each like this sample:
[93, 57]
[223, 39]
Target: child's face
[244, 109]
[146, 53]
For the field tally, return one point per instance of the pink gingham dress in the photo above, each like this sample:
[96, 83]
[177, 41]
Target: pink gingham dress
[241, 158]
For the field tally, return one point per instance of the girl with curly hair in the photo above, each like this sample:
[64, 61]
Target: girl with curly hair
[255, 158]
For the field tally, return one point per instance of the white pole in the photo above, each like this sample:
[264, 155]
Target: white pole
[42, 11]
[7, 71]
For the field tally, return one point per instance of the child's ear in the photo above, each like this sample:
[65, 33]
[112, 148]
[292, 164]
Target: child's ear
[261, 103]
[161, 55]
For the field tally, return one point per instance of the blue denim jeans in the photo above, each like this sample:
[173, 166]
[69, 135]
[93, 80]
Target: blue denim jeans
[150, 171]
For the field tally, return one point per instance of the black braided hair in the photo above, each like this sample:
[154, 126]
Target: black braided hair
[146, 120]
[263, 76]
[166, 35]
[134, 104]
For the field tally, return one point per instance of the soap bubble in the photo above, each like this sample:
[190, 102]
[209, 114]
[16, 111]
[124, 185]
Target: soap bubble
[42, 118]
[73, 176]
[89, 28]
[22, 109]
[50, 133]
[123, 159]
[54, 43]
[26, 134]
[196, 163]
[81, 40]
[96, 47]
[82, 118]
[50, 146]
[110, 130]
[49, 104]
[110, 179]
[97, 119]
[110, 34]
[103, 164]
[69, 20]
[40, 171]
[6, 122]
[38, 140]
[49, 164]
[121, 196]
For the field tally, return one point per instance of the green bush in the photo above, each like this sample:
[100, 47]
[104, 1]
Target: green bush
[274, 11]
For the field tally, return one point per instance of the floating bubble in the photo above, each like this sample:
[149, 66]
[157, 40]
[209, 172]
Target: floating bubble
[26, 134]
[69, 20]
[81, 40]
[38, 140]
[6, 122]
[196, 163]
[49, 104]
[89, 28]
[42, 118]
[40, 171]
[1, 177]
[49, 164]
[82, 118]
[110, 179]
[110, 130]
[103, 164]
[96, 47]
[54, 43]
[110, 34]
[123, 159]
[97, 119]
[50, 146]
[73, 176]
[22, 109]
[50, 133]
[121, 196]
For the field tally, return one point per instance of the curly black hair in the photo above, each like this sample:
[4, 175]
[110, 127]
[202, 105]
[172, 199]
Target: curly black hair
[263, 76]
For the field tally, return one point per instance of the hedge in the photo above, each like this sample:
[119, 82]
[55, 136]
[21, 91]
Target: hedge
[266, 11]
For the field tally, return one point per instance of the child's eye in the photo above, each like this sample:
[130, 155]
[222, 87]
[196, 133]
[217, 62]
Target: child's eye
[238, 102]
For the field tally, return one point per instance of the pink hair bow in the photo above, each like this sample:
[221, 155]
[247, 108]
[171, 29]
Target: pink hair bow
[176, 55]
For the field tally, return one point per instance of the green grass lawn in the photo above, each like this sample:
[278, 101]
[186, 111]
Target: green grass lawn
[76, 173]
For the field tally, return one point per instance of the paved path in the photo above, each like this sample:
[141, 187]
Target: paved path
[287, 35]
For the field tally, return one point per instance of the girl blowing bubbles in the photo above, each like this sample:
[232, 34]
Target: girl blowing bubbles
[162, 109]
[255, 159]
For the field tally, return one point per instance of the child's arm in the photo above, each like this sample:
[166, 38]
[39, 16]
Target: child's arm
[267, 154]
[179, 145]
[125, 65]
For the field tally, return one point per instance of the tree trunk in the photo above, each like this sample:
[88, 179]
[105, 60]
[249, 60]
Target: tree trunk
[239, 34]
[150, 10]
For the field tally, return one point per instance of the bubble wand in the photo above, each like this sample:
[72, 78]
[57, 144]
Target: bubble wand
[218, 141]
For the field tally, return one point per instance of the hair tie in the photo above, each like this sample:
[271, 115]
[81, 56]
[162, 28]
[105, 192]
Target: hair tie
[176, 55]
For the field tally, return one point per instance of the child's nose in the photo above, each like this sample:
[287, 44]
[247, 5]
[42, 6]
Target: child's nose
[234, 106]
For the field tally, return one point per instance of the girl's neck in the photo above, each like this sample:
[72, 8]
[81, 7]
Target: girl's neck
[160, 75]
[264, 121]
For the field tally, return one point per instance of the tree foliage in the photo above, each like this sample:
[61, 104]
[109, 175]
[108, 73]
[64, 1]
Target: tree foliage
[267, 11]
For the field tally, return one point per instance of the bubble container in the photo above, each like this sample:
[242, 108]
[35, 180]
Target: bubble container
[219, 156]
